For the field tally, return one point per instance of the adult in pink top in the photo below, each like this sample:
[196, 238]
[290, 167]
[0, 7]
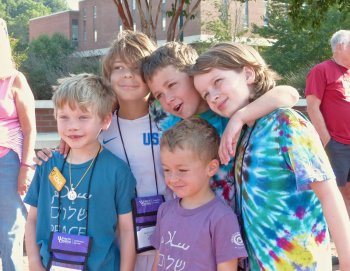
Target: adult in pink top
[328, 104]
[17, 140]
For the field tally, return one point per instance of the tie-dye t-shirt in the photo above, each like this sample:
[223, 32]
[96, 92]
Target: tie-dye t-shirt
[284, 224]
[222, 181]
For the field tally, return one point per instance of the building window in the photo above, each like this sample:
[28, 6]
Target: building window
[75, 33]
[84, 25]
[266, 12]
[163, 15]
[134, 17]
[246, 14]
[94, 12]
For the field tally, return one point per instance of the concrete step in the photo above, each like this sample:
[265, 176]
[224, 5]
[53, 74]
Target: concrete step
[47, 140]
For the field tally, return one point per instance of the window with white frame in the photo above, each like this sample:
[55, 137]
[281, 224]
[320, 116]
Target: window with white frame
[163, 15]
[94, 18]
[84, 25]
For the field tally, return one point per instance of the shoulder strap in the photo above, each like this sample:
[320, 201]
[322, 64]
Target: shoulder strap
[6, 85]
[12, 79]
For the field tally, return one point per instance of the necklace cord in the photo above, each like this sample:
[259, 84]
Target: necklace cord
[88, 193]
[70, 173]
[126, 155]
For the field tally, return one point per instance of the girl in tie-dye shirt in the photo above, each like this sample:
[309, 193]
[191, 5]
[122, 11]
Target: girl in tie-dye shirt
[286, 187]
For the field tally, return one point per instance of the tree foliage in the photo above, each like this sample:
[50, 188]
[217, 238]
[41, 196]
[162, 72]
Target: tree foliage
[18, 13]
[50, 59]
[228, 25]
[150, 11]
[312, 12]
[295, 51]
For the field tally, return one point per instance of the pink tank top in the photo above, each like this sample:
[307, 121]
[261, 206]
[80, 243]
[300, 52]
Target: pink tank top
[11, 136]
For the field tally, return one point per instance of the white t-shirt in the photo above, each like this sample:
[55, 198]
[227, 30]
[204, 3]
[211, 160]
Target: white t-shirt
[137, 142]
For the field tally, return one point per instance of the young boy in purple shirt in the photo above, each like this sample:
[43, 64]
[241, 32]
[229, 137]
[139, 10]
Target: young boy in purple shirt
[195, 231]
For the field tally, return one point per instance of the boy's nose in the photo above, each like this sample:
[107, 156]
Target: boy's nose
[128, 72]
[172, 177]
[169, 98]
[72, 125]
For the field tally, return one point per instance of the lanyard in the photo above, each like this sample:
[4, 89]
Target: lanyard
[88, 193]
[238, 208]
[126, 155]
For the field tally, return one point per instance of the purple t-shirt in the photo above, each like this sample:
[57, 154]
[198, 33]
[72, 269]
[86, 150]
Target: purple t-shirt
[196, 239]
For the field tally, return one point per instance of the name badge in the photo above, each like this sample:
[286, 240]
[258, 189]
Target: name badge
[68, 251]
[57, 179]
[144, 214]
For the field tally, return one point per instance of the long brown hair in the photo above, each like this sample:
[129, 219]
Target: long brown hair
[235, 56]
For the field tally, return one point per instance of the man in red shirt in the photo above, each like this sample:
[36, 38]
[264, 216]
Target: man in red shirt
[328, 105]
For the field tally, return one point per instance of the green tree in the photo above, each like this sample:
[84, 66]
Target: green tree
[17, 15]
[311, 12]
[228, 25]
[53, 58]
[55, 5]
[296, 50]
[47, 61]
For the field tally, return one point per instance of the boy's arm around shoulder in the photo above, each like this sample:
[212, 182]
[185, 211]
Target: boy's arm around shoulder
[337, 218]
[32, 248]
[127, 242]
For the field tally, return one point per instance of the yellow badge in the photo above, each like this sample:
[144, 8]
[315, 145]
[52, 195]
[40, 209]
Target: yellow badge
[57, 179]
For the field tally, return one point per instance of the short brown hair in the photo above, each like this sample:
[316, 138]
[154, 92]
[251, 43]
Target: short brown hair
[131, 47]
[180, 55]
[195, 134]
[235, 56]
[85, 90]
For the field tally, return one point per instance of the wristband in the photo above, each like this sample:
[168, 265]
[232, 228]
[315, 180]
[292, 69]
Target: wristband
[27, 165]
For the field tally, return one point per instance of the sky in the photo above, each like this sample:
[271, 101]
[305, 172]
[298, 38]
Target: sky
[73, 4]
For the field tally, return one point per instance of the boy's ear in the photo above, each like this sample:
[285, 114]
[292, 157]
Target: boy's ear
[249, 74]
[213, 167]
[107, 121]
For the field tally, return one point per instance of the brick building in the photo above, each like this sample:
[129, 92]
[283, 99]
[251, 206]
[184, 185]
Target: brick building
[93, 27]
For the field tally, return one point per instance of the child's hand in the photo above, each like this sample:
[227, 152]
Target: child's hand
[24, 178]
[46, 153]
[63, 148]
[229, 139]
[42, 156]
